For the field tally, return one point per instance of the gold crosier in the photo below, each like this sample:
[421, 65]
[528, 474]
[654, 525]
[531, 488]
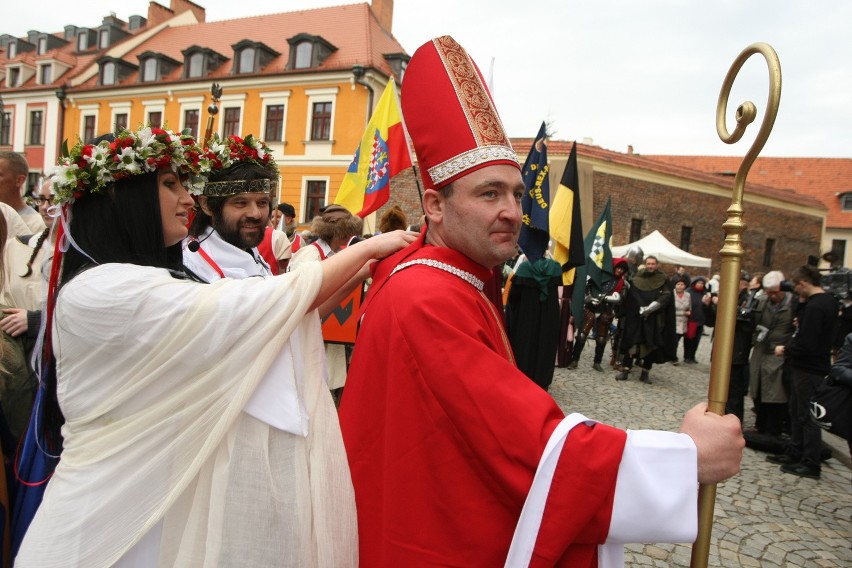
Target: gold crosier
[213, 110]
[732, 253]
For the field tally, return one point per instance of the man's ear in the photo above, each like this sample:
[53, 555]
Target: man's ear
[202, 202]
[433, 205]
[19, 182]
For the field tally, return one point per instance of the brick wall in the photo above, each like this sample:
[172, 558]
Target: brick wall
[668, 209]
[405, 194]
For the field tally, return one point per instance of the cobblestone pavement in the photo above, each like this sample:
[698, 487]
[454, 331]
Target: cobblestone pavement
[763, 517]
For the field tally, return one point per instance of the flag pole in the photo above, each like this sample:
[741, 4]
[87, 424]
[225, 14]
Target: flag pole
[732, 253]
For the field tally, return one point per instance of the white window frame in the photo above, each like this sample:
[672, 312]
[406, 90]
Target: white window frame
[192, 103]
[11, 110]
[38, 74]
[272, 99]
[88, 110]
[20, 75]
[119, 108]
[102, 68]
[303, 199]
[236, 100]
[28, 133]
[154, 105]
[324, 95]
[143, 69]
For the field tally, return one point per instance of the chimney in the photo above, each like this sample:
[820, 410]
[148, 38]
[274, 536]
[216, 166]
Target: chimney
[135, 22]
[181, 6]
[630, 149]
[157, 14]
[383, 10]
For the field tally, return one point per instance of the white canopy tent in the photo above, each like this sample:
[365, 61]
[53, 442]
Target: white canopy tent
[657, 245]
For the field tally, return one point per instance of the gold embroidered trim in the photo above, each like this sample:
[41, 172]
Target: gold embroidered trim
[481, 115]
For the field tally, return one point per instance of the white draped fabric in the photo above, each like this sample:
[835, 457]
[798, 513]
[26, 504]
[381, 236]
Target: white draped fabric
[335, 354]
[154, 374]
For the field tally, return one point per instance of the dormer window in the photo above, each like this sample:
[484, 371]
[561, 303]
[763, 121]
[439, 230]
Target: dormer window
[83, 41]
[398, 63]
[42, 45]
[198, 61]
[108, 73]
[251, 56]
[303, 55]
[155, 66]
[246, 60]
[45, 74]
[103, 39]
[307, 51]
[149, 69]
[846, 201]
[195, 65]
[14, 76]
[12, 49]
[113, 71]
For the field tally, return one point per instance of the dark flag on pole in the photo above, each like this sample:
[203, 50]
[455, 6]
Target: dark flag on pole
[565, 222]
[535, 203]
[597, 268]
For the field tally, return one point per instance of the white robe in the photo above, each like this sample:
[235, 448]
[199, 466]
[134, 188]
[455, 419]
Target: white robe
[335, 354]
[153, 376]
[232, 261]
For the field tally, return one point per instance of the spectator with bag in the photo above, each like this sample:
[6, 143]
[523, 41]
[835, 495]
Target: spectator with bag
[809, 356]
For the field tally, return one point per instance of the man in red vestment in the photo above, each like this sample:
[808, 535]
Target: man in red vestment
[457, 458]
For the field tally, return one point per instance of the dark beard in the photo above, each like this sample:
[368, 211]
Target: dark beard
[232, 235]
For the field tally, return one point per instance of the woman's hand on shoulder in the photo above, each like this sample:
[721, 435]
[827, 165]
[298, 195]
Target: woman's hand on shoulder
[388, 243]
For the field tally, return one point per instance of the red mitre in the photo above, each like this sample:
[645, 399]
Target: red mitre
[450, 116]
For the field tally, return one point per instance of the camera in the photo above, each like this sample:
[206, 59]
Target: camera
[837, 283]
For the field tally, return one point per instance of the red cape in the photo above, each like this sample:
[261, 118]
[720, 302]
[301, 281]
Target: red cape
[444, 434]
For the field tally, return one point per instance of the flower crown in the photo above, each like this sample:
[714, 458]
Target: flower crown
[220, 155]
[89, 168]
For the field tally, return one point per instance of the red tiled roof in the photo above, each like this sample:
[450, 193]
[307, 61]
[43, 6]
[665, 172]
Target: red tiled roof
[352, 28]
[653, 164]
[820, 178]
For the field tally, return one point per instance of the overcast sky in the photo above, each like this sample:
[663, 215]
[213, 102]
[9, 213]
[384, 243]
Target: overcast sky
[622, 72]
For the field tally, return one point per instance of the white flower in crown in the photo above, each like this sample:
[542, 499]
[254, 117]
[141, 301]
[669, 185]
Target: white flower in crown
[88, 168]
[99, 156]
[64, 172]
[145, 137]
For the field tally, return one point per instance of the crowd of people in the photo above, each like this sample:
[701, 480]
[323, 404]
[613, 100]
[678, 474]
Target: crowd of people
[186, 374]
[787, 335]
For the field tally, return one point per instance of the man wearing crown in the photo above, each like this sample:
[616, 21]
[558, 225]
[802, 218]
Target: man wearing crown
[234, 211]
[456, 457]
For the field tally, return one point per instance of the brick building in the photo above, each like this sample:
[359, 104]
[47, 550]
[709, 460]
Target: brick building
[827, 179]
[303, 81]
[685, 205]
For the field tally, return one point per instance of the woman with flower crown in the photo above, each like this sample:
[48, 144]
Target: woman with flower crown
[160, 465]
